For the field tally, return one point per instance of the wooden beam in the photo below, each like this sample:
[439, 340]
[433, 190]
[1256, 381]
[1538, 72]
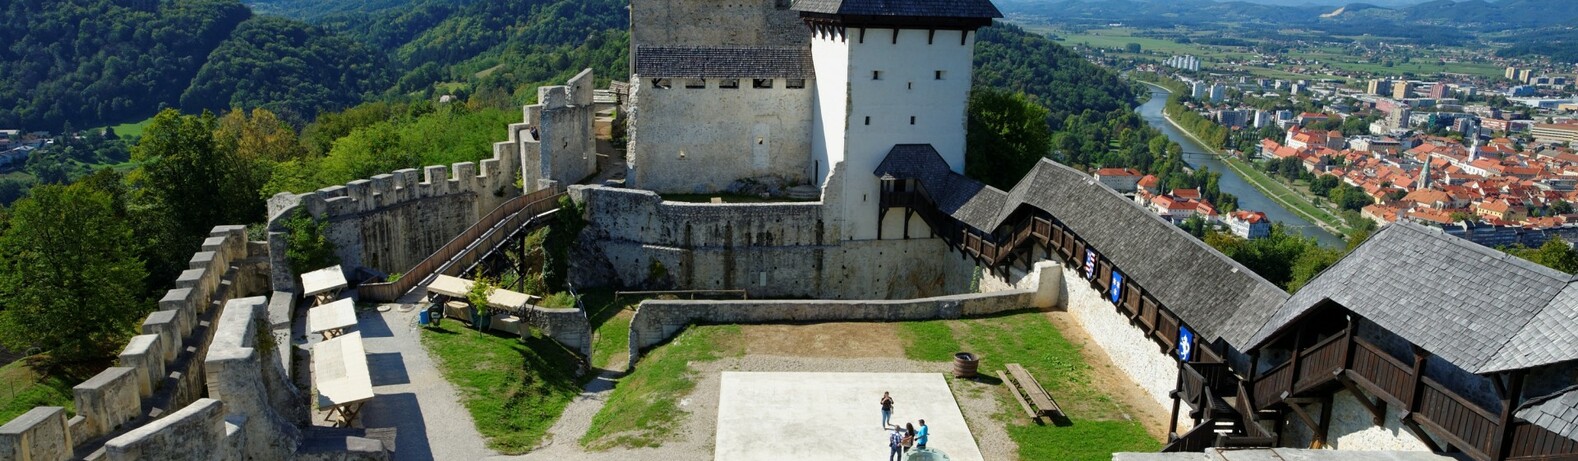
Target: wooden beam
[1320, 432]
[1419, 432]
[1377, 409]
[1325, 419]
[1510, 394]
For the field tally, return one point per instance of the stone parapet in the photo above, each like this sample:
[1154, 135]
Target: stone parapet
[146, 358]
[658, 320]
[242, 371]
[41, 434]
[193, 433]
[162, 368]
[108, 400]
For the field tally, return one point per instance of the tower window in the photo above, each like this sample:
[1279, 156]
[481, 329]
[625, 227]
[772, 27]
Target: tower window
[729, 83]
[939, 75]
[868, 119]
[662, 83]
[876, 75]
[794, 83]
[909, 85]
[912, 119]
[762, 83]
[694, 83]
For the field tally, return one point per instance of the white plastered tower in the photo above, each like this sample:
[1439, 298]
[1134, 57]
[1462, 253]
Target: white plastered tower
[888, 72]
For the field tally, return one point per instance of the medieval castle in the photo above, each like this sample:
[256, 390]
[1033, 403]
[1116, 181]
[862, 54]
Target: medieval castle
[1416, 341]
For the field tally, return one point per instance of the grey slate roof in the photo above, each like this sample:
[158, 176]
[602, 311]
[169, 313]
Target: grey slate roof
[724, 62]
[1479, 308]
[1211, 293]
[1557, 412]
[917, 8]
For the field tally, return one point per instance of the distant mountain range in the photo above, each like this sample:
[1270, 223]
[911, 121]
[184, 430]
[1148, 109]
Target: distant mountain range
[1479, 15]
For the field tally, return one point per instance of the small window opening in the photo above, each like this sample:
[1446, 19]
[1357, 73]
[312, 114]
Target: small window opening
[912, 119]
[662, 83]
[876, 75]
[795, 83]
[938, 75]
[910, 85]
[868, 119]
[762, 83]
[729, 83]
[694, 83]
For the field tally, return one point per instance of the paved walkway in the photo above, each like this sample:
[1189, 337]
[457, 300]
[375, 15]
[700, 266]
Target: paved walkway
[412, 394]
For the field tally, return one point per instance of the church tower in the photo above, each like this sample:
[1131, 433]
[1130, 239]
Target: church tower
[888, 72]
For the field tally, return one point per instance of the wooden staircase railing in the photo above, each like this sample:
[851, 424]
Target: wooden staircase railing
[517, 210]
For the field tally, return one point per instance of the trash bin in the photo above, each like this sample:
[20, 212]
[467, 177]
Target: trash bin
[422, 317]
[965, 365]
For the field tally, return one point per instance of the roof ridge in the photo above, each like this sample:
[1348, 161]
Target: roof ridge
[1173, 228]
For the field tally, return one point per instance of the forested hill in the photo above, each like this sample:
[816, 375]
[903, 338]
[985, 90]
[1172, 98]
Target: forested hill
[498, 50]
[93, 62]
[1008, 57]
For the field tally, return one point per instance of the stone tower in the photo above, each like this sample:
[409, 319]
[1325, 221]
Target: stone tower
[888, 72]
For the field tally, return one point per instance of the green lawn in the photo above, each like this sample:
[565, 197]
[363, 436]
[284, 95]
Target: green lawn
[611, 326]
[1098, 426]
[644, 409]
[23, 387]
[132, 129]
[515, 389]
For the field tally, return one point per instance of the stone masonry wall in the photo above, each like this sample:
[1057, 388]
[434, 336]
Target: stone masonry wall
[658, 320]
[716, 22]
[160, 370]
[1124, 343]
[754, 133]
[564, 151]
[768, 249]
[392, 221]
[1353, 428]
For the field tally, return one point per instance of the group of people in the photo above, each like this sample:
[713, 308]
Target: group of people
[901, 439]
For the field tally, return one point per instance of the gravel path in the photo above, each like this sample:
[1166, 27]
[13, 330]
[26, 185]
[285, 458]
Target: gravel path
[694, 441]
[412, 395]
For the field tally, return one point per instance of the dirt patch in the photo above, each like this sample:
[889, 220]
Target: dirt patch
[1106, 376]
[829, 340]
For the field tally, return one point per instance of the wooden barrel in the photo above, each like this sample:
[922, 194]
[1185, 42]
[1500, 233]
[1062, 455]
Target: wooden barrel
[965, 365]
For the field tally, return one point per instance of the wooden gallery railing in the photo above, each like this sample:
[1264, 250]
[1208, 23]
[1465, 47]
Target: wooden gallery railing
[1426, 403]
[513, 213]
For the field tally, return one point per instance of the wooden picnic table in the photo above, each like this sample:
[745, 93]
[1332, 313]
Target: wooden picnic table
[339, 372]
[332, 319]
[323, 285]
[1040, 402]
[445, 285]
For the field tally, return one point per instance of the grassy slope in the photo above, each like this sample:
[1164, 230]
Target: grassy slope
[1099, 425]
[22, 388]
[644, 409]
[514, 390]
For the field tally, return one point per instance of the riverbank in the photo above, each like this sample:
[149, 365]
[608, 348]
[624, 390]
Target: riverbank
[1276, 191]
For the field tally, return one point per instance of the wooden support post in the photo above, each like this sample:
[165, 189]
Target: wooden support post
[907, 213]
[1510, 393]
[1377, 408]
[1320, 432]
[1325, 419]
[1172, 424]
[1298, 346]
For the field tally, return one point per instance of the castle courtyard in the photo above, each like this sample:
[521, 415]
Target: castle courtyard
[828, 416]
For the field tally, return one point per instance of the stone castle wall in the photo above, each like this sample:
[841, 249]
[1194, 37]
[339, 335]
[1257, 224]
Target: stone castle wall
[392, 221]
[752, 133]
[656, 321]
[564, 150]
[635, 239]
[716, 22]
[160, 371]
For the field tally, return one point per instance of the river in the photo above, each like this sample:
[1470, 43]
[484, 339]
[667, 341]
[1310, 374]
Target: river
[1249, 198]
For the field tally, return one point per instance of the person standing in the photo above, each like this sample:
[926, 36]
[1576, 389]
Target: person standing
[920, 437]
[895, 443]
[909, 438]
[887, 409]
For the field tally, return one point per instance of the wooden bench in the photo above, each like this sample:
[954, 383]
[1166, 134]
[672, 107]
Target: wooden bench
[1031, 396]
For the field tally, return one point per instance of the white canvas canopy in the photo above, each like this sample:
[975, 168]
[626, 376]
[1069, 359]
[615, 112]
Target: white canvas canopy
[339, 372]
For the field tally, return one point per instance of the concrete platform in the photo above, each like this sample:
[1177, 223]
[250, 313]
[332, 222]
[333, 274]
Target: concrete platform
[832, 416]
